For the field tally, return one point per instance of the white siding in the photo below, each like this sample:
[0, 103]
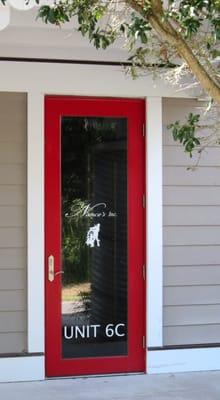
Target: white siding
[191, 237]
[13, 271]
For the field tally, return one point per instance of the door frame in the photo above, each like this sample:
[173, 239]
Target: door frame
[53, 110]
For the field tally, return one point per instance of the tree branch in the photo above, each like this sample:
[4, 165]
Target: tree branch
[166, 31]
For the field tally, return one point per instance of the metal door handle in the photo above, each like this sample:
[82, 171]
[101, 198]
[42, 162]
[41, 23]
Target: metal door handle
[58, 273]
[51, 268]
[51, 273]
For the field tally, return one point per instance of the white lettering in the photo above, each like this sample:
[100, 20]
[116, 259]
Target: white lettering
[81, 331]
[88, 211]
[96, 211]
[112, 214]
[87, 331]
[95, 329]
[116, 330]
[109, 331]
[65, 332]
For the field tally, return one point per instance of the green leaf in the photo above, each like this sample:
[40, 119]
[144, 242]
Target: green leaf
[185, 133]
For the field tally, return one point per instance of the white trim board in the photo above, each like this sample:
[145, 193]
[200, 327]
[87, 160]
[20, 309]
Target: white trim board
[162, 361]
[18, 369]
[82, 80]
[35, 222]
[183, 360]
[154, 224]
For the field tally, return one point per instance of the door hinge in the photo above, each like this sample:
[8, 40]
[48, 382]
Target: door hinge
[144, 272]
[143, 130]
[144, 342]
[143, 201]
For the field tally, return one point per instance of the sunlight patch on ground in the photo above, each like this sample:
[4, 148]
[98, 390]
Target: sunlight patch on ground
[73, 292]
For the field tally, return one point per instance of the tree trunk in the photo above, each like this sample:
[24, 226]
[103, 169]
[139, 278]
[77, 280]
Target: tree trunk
[167, 33]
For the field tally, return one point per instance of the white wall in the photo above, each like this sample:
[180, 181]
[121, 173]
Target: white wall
[191, 208]
[13, 223]
[37, 80]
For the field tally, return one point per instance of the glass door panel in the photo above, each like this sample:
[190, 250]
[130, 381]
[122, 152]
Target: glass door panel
[94, 236]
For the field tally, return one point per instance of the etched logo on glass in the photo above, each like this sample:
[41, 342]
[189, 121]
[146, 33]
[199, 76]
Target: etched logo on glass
[93, 236]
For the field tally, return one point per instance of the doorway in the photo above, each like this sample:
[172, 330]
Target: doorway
[95, 235]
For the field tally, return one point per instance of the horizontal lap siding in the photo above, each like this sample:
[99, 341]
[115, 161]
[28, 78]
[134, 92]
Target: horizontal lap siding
[12, 279]
[12, 258]
[191, 295]
[13, 230]
[13, 300]
[191, 215]
[188, 314]
[12, 342]
[196, 235]
[179, 158]
[191, 255]
[11, 216]
[193, 196]
[181, 176]
[191, 237]
[12, 321]
[194, 334]
[191, 275]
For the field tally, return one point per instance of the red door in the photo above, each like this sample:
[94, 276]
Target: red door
[94, 186]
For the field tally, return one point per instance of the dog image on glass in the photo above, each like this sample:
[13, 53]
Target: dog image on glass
[93, 236]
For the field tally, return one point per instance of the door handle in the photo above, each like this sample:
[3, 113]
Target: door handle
[51, 273]
[58, 273]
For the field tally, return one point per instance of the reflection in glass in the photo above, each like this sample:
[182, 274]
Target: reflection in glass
[94, 236]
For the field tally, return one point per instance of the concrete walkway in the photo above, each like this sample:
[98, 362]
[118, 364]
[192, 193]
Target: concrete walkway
[188, 386]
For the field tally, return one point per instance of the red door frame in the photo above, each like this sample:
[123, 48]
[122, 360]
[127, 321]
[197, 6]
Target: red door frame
[134, 111]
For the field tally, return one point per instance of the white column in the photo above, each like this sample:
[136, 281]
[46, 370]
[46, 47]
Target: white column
[35, 222]
[154, 222]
